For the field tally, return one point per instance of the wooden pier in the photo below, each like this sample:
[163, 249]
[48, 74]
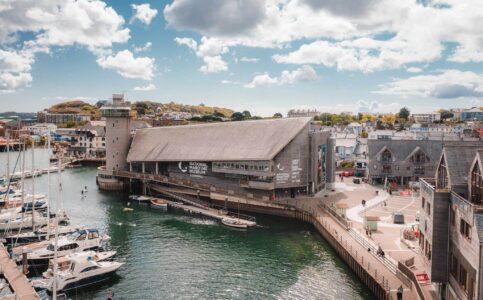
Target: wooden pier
[21, 287]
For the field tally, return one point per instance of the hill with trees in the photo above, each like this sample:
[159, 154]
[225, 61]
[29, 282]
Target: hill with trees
[76, 106]
[146, 107]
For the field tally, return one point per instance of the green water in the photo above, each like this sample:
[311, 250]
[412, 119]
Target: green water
[178, 256]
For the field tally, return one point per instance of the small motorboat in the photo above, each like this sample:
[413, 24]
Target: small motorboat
[234, 223]
[159, 203]
[78, 270]
[127, 209]
[140, 199]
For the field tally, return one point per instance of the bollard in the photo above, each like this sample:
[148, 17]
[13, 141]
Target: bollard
[24, 260]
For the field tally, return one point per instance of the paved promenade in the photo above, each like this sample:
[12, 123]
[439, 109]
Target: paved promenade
[373, 264]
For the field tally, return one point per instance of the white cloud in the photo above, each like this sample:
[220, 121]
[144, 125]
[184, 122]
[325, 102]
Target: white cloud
[52, 23]
[149, 87]
[143, 13]
[213, 64]
[9, 82]
[249, 59]
[414, 70]
[448, 84]
[302, 74]
[210, 50]
[189, 42]
[225, 81]
[146, 47]
[64, 23]
[366, 36]
[124, 63]
[260, 80]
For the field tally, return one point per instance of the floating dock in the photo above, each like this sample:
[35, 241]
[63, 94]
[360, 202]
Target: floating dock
[217, 214]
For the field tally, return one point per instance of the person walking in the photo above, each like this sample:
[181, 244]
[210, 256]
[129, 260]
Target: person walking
[400, 292]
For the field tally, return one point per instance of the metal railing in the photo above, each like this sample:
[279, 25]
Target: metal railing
[194, 185]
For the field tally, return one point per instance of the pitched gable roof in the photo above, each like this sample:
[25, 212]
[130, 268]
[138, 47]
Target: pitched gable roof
[230, 141]
[458, 161]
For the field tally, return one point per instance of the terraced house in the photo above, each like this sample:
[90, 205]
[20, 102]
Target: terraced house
[451, 239]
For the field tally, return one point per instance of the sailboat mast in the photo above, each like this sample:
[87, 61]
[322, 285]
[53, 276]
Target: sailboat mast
[23, 176]
[54, 285]
[48, 186]
[8, 158]
[33, 186]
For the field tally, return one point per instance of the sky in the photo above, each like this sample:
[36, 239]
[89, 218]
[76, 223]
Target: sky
[265, 56]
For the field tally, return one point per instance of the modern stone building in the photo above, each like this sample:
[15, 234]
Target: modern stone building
[271, 159]
[451, 224]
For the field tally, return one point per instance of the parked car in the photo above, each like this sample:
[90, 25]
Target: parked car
[356, 181]
[347, 173]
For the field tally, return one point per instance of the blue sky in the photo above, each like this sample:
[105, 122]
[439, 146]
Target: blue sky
[263, 56]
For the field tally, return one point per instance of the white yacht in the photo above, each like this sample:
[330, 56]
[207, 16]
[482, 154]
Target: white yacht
[41, 234]
[38, 254]
[78, 270]
[19, 221]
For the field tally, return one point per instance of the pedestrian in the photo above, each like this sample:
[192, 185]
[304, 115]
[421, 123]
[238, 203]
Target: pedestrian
[367, 231]
[400, 292]
[110, 295]
[370, 234]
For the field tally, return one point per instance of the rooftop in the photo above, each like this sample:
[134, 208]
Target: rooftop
[230, 141]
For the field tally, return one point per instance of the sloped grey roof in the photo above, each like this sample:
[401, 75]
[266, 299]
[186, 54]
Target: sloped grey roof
[458, 162]
[401, 149]
[230, 141]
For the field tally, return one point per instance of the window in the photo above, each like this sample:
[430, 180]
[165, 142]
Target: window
[386, 169]
[465, 229]
[427, 250]
[463, 279]
[419, 157]
[476, 185]
[418, 170]
[93, 235]
[89, 269]
[386, 156]
[428, 208]
[423, 202]
[453, 268]
[453, 216]
[396, 167]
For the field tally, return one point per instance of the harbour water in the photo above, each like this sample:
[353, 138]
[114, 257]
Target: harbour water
[177, 256]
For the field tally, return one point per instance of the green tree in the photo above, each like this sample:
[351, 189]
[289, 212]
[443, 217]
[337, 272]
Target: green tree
[237, 116]
[404, 113]
[446, 114]
[247, 114]
[277, 115]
